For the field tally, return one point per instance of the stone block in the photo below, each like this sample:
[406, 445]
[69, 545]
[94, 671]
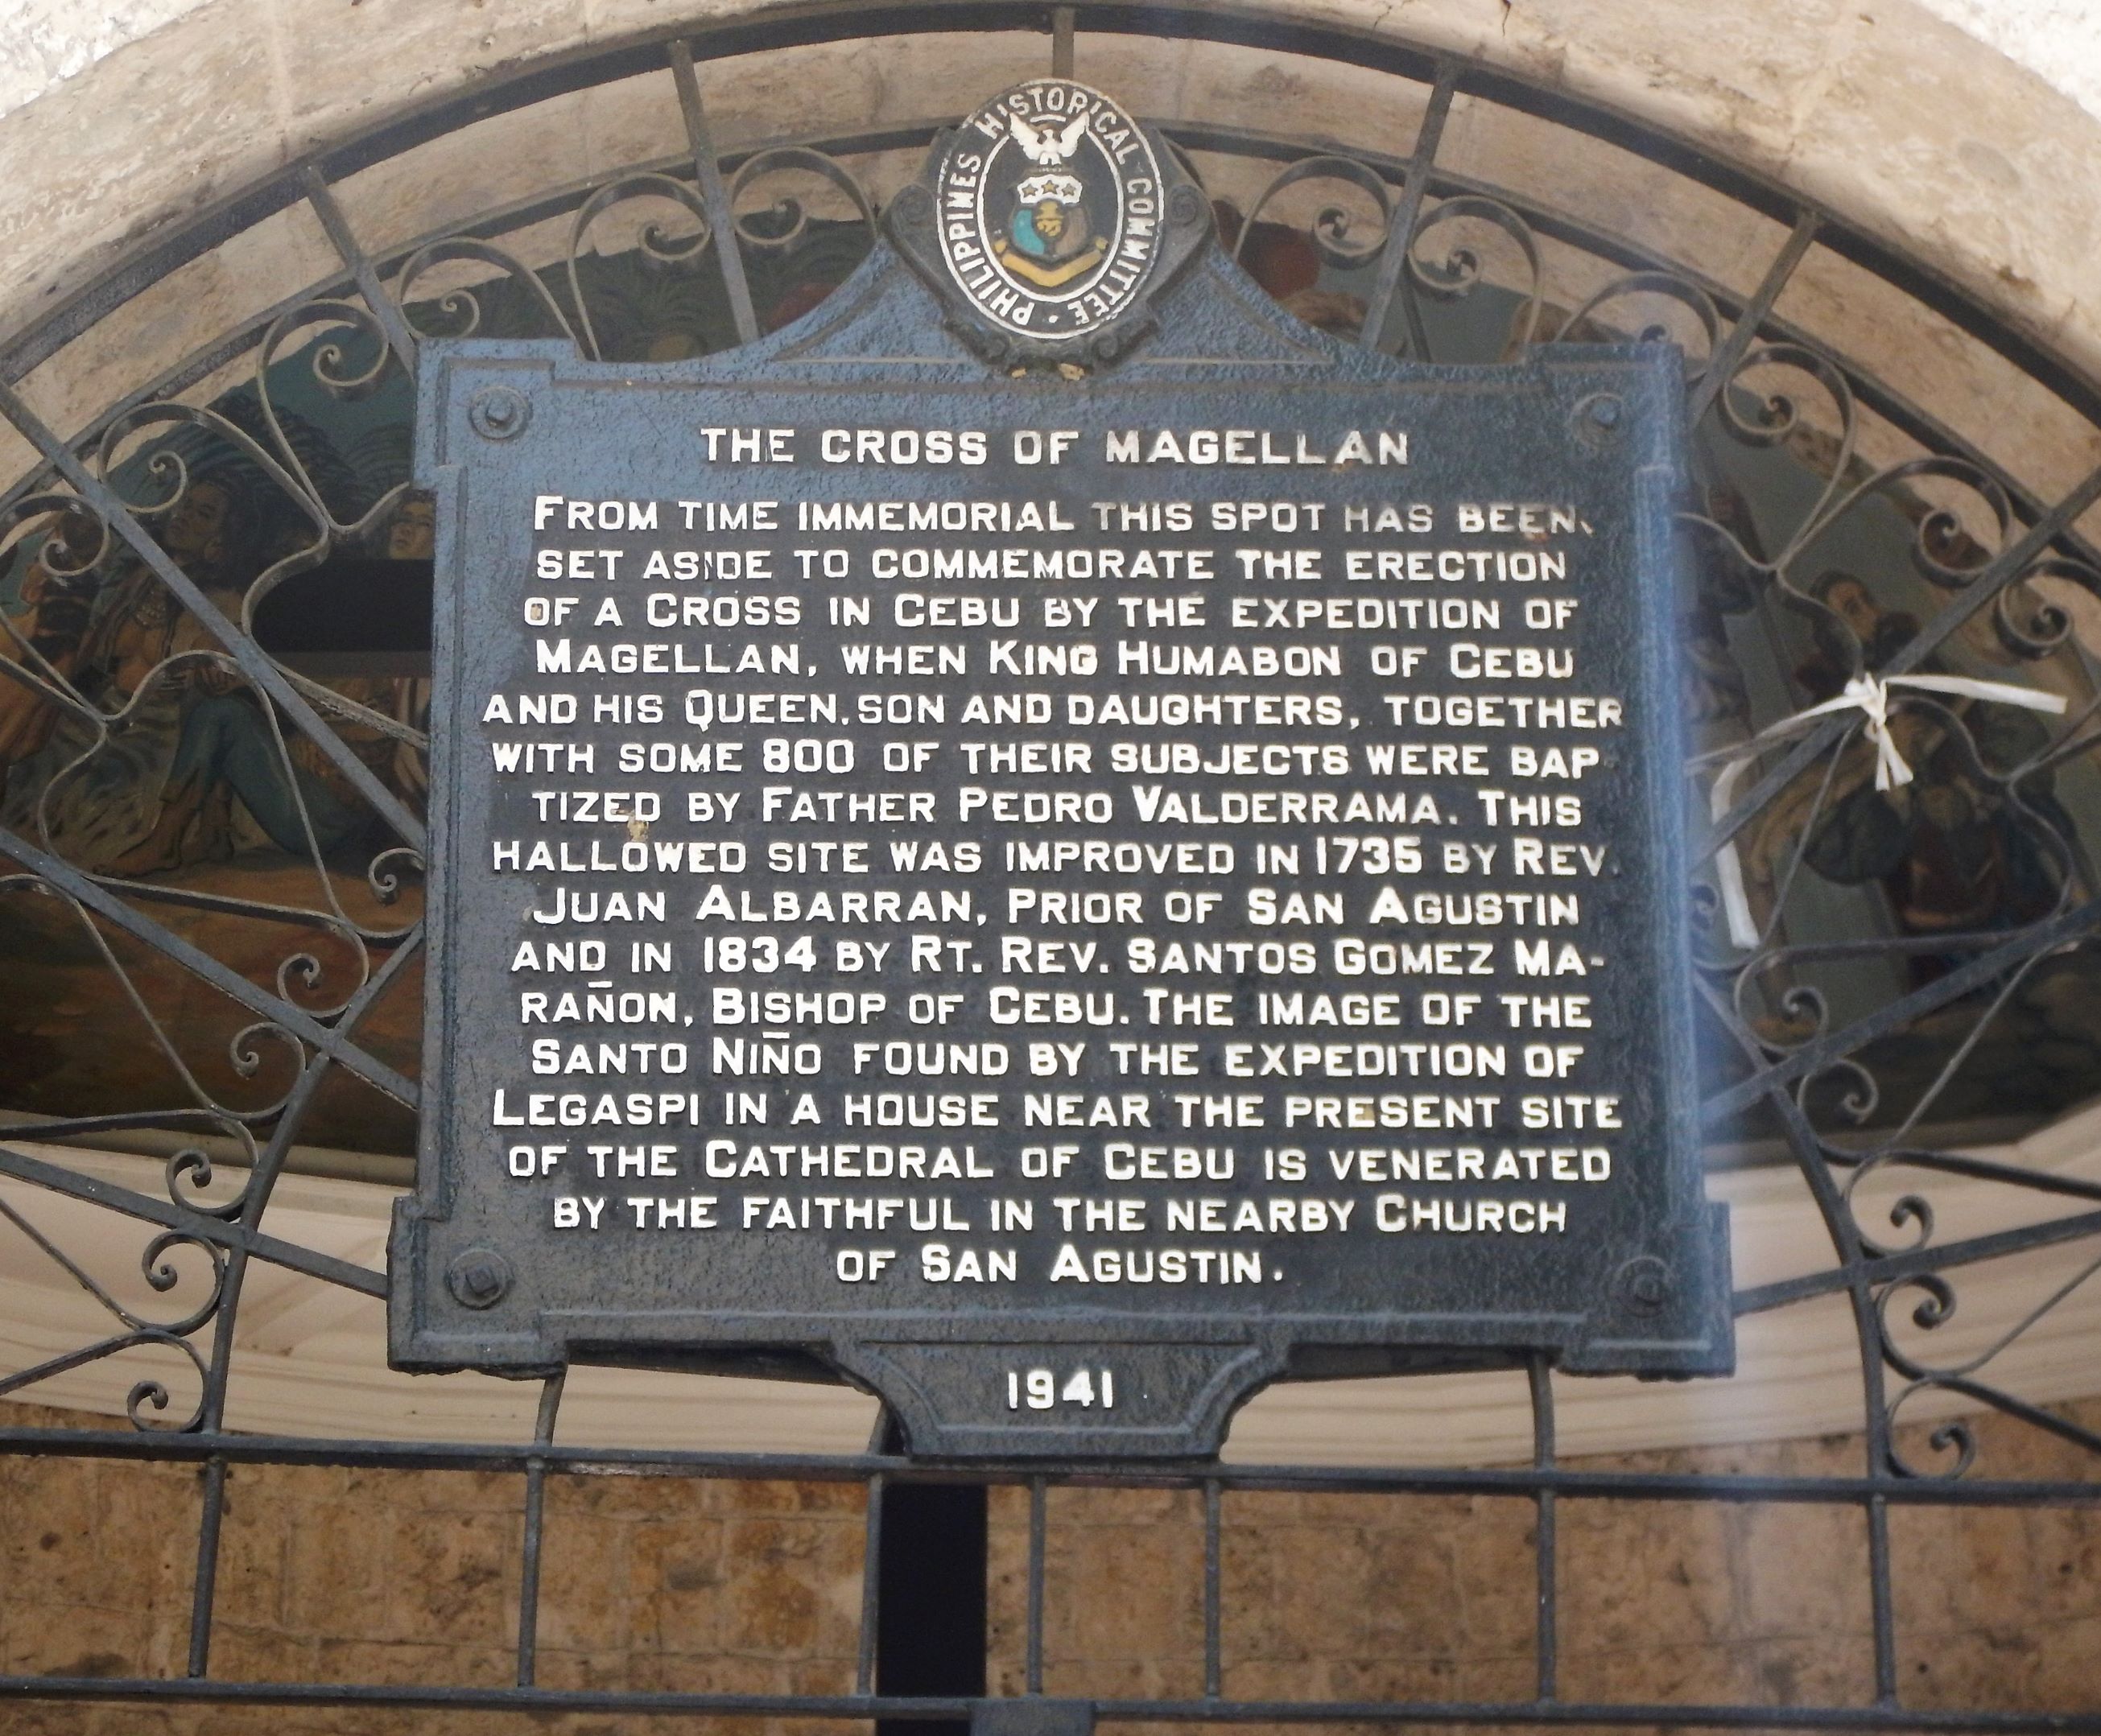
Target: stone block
[68, 1639]
[1493, 1556]
[588, 1598]
[241, 1652]
[407, 1662]
[1804, 1571]
[451, 1576]
[172, 121]
[1700, 1675]
[1991, 1668]
[1956, 1568]
[335, 1585]
[451, 1491]
[1834, 1669]
[570, 1670]
[126, 1532]
[1396, 1679]
[678, 1575]
[1651, 1577]
[1275, 1678]
[2063, 1558]
[1295, 1592]
[719, 1673]
[1504, 1678]
[254, 1549]
[737, 1496]
[625, 1495]
[1118, 1509]
[1153, 1577]
[2064, 1677]
[791, 1587]
[327, 55]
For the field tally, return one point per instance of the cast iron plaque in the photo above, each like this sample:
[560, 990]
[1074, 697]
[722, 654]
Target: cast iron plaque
[1060, 895]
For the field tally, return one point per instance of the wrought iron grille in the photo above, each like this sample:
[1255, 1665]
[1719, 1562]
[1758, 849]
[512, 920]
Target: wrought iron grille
[1890, 976]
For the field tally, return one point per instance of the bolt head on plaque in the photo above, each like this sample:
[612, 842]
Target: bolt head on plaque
[479, 1278]
[1643, 1285]
[1053, 221]
[498, 413]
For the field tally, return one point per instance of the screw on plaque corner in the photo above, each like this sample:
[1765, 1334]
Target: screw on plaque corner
[479, 1278]
[1598, 420]
[1643, 1285]
[498, 413]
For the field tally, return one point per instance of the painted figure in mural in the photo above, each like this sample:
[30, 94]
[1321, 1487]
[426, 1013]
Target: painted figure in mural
[1718, 701]
[1882, 633]
[1951, 851]
[51, 629]
[412, 529]
[215, 533]
[139, 623]
[228, 749]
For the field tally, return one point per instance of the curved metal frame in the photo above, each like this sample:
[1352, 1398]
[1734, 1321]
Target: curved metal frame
[1778, 1021]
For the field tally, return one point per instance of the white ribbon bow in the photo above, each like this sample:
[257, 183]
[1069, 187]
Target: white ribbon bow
[1869, 694]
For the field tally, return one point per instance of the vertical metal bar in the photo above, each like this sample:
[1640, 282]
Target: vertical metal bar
[714, 195]
[1733, 348]
[1878, 1580]
[1061, 41]
[871, 1592]
[536, 1501]
[1846, 1243]
[211, 1413]
[204, 1591]
[1038, 1501]
[1400, 229]
[321, 196]
[1547, 1643]
[1214, 1602]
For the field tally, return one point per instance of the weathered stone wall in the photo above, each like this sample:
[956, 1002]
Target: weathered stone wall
[1905, 122]
[755, 1587]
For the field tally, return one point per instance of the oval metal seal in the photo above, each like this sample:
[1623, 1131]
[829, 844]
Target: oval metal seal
[1051, 209]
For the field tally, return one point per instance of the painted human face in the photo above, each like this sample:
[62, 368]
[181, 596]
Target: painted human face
[413, 534]
[196, 528]
[1850, 602]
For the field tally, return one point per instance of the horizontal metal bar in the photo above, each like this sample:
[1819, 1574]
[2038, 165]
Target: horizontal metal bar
[1913, 1262]
[223, 1232]
[1515, 1483]
[153, 1689]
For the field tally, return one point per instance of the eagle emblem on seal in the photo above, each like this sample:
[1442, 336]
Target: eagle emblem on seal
[1050, 201]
